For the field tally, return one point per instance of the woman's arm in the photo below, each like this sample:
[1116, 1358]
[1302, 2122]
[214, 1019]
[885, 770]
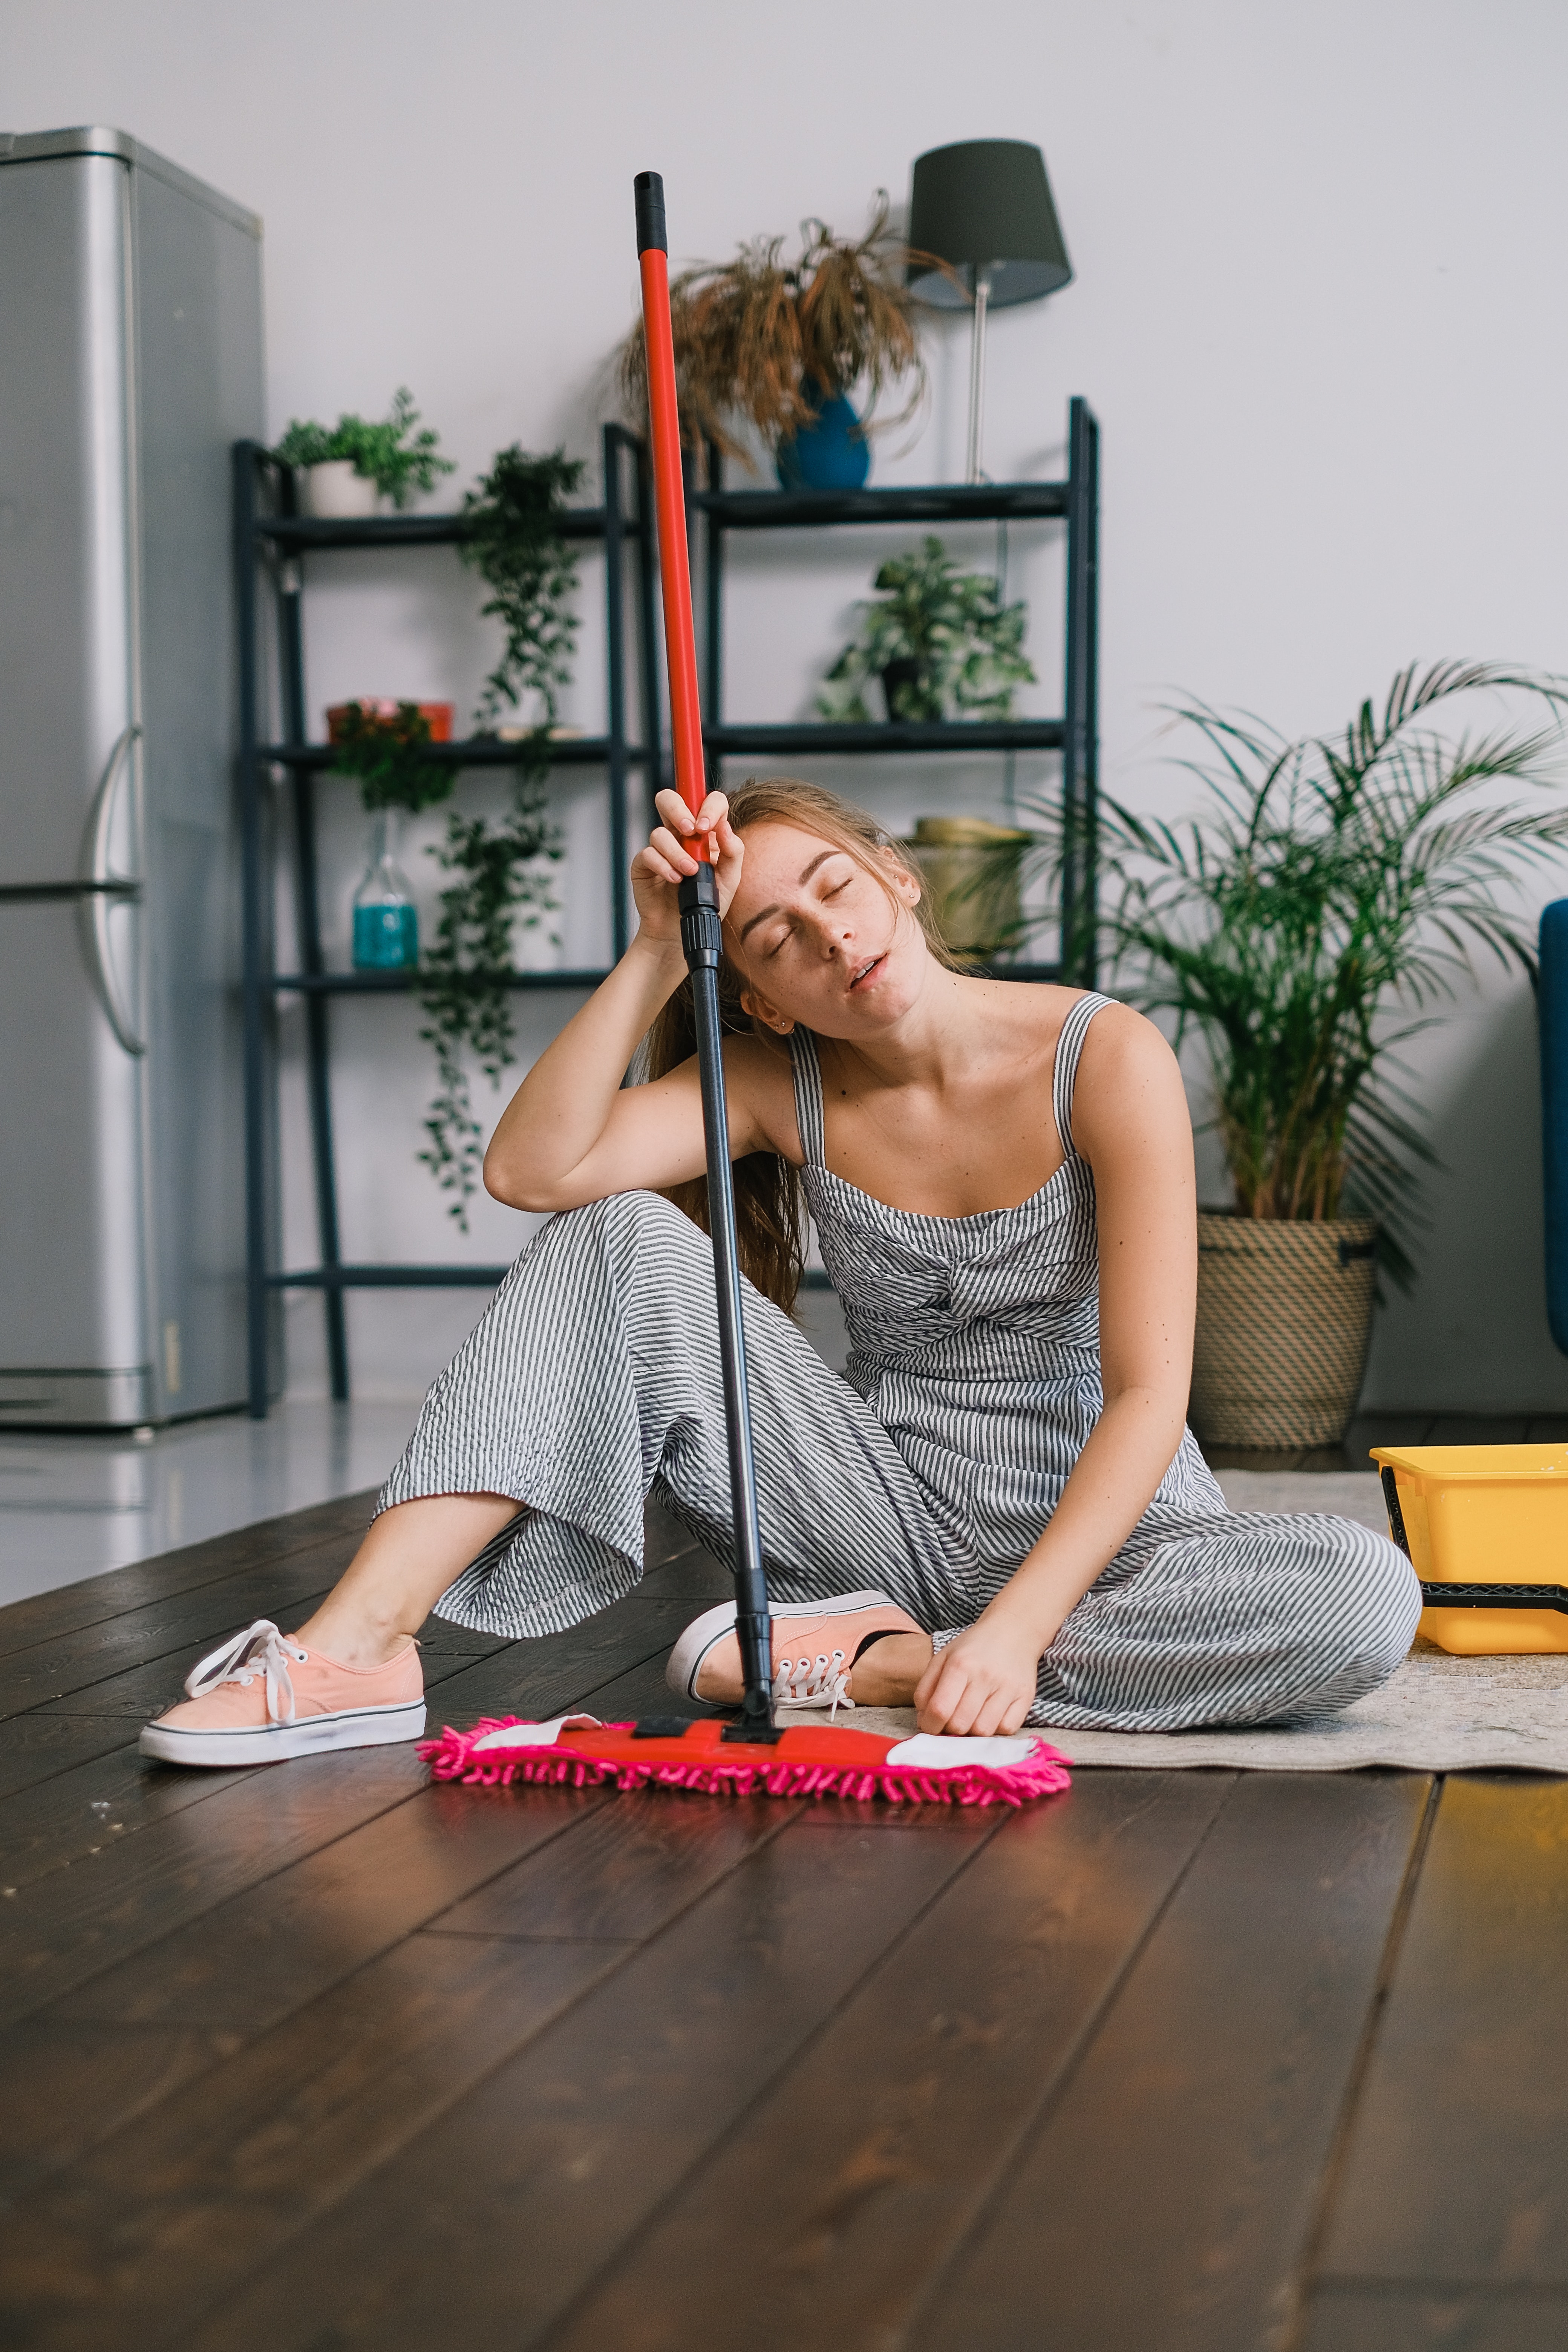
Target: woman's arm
[572, 1133]
[1130, 1123]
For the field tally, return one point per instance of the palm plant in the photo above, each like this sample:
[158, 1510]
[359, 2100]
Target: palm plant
[1325, 887]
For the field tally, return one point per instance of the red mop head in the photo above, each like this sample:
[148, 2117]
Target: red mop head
[808, 1760]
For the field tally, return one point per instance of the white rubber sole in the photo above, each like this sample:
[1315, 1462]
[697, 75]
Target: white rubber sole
[362, 1727]
[703, 1632]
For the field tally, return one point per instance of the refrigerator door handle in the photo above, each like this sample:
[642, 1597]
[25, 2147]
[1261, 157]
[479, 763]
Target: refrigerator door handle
[101, 888]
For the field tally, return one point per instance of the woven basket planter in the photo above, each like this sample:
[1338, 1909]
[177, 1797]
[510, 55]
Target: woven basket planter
[1284, 1318]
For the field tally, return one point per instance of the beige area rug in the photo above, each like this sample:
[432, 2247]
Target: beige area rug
[1437, 1714]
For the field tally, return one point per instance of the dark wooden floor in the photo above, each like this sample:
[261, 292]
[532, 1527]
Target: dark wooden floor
[322, 2057]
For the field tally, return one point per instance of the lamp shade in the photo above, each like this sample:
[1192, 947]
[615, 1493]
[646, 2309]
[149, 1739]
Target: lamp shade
[985, 204]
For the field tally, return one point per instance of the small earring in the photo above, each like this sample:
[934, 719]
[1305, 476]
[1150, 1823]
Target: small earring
[784, 1028]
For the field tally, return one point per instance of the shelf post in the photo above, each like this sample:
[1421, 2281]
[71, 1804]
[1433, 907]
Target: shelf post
[713, 610]
[1080, 754]
[257, 1301]
[647, 639]
[615, 665]
[318, 1067]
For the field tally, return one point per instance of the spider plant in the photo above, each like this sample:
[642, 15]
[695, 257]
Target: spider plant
[771, 339]
[1305, 921]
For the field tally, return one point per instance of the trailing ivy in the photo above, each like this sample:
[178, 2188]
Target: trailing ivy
[463, 990]
[511, 537]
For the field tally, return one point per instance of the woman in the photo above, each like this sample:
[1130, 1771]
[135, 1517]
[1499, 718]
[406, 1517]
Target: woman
[999, 1515]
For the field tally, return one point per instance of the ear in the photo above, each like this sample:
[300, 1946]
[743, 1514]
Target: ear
[905, 882]
[756, 1004]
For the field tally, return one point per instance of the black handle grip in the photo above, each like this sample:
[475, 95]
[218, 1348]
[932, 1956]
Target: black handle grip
[650, 188]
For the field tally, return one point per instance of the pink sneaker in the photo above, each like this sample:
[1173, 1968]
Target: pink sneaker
[815, 1647]
[261, 1698]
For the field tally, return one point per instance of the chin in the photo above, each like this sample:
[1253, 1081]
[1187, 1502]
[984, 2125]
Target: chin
[894, 989]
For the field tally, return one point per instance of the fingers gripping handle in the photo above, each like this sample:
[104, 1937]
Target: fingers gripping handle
[674, 560]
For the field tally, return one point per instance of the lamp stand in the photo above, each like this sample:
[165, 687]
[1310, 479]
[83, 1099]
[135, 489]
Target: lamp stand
[977, 371]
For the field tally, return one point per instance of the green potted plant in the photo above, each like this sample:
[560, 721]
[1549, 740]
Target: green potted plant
[782, 342]
[940, 640]
[1325, 897]
[348, 467]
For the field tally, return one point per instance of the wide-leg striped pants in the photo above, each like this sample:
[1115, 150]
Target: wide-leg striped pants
[591, 1380]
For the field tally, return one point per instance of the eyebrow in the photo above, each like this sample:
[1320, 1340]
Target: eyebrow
[805, 874]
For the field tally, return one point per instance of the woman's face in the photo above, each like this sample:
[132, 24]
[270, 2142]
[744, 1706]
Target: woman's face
[817, 939]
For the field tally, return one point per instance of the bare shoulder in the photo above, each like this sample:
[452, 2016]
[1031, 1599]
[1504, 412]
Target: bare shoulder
[1127, 1091]
[760, 1077]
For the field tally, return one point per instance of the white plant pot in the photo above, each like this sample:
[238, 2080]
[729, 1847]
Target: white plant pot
[335, 493]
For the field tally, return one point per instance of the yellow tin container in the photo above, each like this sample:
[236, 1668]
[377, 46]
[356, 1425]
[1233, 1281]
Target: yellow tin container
[1485, 1515]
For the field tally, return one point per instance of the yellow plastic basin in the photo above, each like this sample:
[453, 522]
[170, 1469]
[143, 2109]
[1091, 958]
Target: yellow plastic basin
[1486, 1514]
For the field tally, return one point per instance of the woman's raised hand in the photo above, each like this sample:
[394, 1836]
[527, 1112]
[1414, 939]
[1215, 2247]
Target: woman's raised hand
[659, 870]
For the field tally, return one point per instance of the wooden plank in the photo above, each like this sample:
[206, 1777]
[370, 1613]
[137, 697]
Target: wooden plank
[1415, 2319]
[73, 1664]
[63, 1929]
[119, 1902]
[868, 2163]
[621, 1874]
[1457, 2166]
[139, 1692]
[664, 1538]
[45, 1615]
[69, 2086]
[232, 2165]
[34, 1747]
[73, 1816]
[485, 2228]
[540, 1678]
[519, 1678]
[1168, 2194]
[250, 1962]
[641, 1691]
[692, 1575]
[439, 1638]
[163, 2219]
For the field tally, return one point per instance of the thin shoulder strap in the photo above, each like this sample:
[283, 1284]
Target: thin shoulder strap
[809, 1096]
[1070, 1047]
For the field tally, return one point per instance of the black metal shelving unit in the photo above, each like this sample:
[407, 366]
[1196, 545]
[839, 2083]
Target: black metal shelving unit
[269, 536]
[1076, 502]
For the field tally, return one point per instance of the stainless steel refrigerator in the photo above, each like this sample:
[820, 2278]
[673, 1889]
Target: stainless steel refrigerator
[130, 363]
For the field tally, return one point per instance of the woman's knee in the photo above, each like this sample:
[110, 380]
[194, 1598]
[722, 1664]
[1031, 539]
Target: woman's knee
[1373, 1599]
[625, 1223]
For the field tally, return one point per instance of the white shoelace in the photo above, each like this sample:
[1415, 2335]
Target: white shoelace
[261, 1649]
[822, 1681]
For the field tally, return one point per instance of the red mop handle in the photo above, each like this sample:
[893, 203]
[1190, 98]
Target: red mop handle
[664, 434]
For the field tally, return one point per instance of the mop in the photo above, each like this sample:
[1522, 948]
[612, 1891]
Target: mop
[751, 1754]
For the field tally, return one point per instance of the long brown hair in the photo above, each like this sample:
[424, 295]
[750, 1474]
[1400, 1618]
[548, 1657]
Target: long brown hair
[770, 1197]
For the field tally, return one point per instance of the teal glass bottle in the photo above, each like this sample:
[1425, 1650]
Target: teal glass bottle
[386, 921]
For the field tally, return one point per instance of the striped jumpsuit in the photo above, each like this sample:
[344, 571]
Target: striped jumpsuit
[929, 1469]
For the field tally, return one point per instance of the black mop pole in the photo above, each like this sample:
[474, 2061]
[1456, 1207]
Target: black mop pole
[701, 941]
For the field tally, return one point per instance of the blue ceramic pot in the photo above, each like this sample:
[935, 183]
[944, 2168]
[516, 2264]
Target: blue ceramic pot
[829, 455]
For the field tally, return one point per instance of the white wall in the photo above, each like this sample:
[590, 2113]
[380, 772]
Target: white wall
[1318, 309]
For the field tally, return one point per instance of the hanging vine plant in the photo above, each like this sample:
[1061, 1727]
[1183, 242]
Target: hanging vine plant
[511, 537]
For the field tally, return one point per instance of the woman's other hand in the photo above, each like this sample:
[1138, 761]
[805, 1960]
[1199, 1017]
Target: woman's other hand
[981, 1685]
[659, 870]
